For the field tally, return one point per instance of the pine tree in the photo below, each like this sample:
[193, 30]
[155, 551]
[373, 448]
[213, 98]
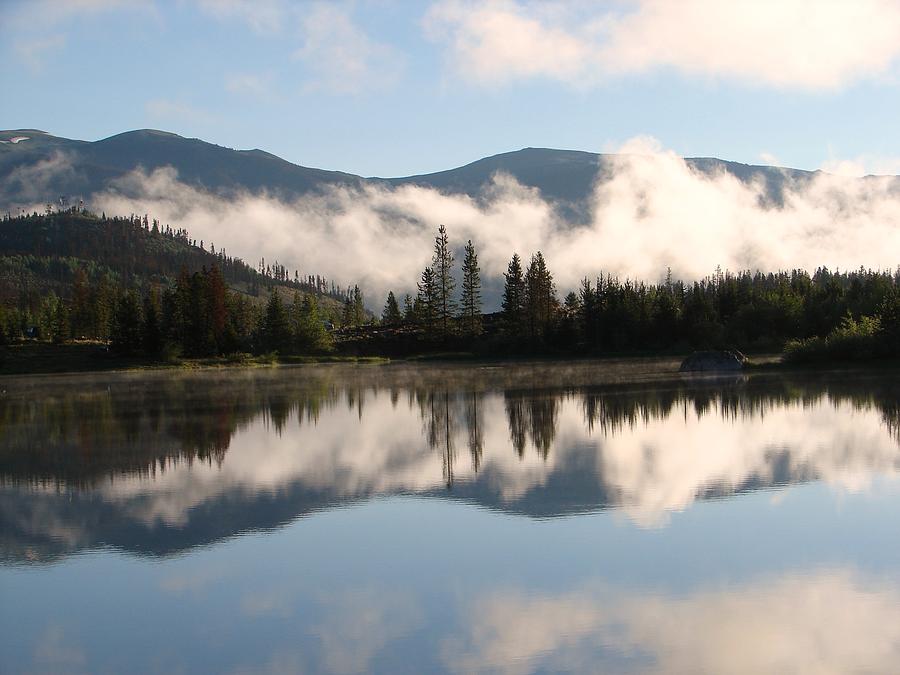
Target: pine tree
[390, 316]
[126, 330]
[359, 310]
[409, 315]
[59, 326]
[571, 317]
[426, 313]
[312, 336]
[347, 312]
[81, 301]
[103, 304]
[471, 291]
[151, 331]
[590, 313]
[444, 284]
[513, 294]
[295, 316]
[889, 313]
[276, 331]
[215, 301]
[540, 301]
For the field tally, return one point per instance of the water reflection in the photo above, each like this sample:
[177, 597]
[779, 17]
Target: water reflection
[157, 464]
[589, 518]
[827, 622]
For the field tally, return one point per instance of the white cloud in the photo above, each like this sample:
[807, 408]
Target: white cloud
[497, 42]
[263, 16]
[863, 165]
[654, 212]
[340, 56]
[806, 44]
[32, 183]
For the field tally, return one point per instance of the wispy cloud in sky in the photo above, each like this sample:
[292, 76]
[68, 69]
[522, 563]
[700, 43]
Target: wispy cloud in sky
[340, 56]
[57, 11]
[803, 44]
[262, 16]
[38, 29]
[337, 54]
[33, 52]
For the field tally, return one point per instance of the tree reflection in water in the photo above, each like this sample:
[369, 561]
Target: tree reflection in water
[157, 449]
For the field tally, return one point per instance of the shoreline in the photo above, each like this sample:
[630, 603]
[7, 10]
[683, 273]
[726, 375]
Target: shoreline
[46, 359]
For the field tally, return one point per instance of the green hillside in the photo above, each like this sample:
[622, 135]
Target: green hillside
[64, 276]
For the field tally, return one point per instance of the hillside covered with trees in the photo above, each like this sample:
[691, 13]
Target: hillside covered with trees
[148, 288]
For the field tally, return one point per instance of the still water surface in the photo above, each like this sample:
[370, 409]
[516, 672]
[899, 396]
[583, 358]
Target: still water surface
[592, 517]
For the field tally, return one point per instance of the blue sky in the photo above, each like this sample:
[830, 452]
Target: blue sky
[382, 87]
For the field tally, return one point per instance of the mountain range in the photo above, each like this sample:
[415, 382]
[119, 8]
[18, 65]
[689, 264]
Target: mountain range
[37, 167]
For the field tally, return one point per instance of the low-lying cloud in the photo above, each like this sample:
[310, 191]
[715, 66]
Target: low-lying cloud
[652, 211]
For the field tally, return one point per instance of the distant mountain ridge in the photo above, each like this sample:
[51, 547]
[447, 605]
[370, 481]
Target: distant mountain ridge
[37, 167]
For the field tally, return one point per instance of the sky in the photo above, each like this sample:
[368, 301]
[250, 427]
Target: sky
[391, 87]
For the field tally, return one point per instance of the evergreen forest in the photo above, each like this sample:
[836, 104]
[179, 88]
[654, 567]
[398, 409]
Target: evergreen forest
[146, 289]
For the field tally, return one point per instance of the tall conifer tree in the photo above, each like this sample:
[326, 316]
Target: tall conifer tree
[390, 316]
[442, 265]
[359, 310]
[513, 294]
[540, 301]
[276, 328]
[471, 291]
[427, 301]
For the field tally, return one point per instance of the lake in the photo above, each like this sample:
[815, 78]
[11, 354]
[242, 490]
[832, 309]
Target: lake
[607, 516]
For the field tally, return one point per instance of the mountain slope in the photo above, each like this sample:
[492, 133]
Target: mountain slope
[41, 167]
[45, 167]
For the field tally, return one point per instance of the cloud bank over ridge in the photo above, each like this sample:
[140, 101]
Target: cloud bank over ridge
[650, 212]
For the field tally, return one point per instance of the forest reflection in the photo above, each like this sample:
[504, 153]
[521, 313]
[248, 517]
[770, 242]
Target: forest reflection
[159, 463]
[80, 435]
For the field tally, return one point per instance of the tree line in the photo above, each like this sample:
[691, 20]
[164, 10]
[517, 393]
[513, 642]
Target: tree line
[752, 311]
[73, 275]
[197, 317]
